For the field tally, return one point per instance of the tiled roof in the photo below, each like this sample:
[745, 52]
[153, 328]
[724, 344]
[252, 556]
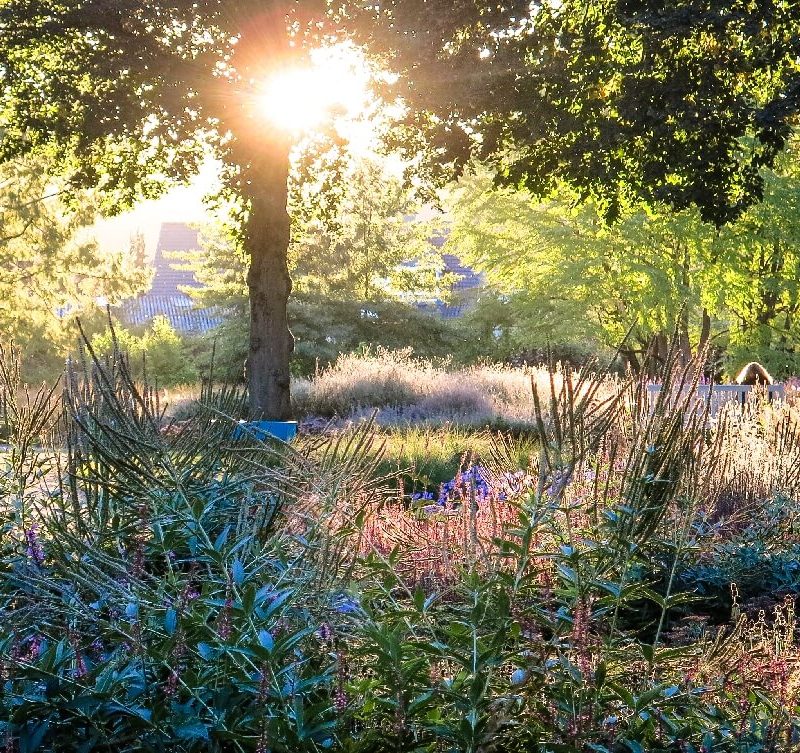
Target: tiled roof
[179, 309]
[468, 278]
[165, 297]
[174, 237]
[468, 281]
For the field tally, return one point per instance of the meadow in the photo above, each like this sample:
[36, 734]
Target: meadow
[444, 561]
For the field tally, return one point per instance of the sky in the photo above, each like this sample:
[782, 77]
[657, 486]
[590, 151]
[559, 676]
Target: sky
[182, 204]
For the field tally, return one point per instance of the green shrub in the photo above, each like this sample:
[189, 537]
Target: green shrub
[159, 356]
[180, 590]
[159, 604]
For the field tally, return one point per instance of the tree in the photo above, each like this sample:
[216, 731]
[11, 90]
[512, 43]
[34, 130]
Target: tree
[50, 272]
[356, 277]
[754, 278]
[127, 92]
[656, 101]
[159, 355]
[626, 99]
[570, 277]
[376, 250]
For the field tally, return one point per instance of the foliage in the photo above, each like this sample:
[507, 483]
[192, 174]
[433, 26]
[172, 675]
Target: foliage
[255, 597]
[326, 328]
[356, 279]
[567, 275]
[155, 605]
[630, 100]
[428, 457]
[627, 102]
[748, 554]
[375, 250]
[159, 355]
[657, 102]
[50, 272]
[404, 389]
[755, 271]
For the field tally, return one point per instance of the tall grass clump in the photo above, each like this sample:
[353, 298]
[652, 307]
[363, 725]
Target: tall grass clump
[167, 594]
[179, 590]
[405, 390]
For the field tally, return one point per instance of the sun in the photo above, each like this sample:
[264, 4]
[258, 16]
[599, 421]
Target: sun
[334, 85]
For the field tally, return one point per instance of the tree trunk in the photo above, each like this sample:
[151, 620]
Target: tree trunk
[631, 360]
[684, 343]
[259, 154]
[657, 354]
[705, 332]
[267, 243]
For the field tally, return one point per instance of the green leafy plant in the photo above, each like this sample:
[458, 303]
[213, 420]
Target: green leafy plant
[167, 597]
[180, 589]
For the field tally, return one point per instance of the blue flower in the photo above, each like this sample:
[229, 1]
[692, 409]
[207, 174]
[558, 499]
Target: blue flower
[346, 605]
[422, 495]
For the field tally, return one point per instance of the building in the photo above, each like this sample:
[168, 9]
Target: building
[464, 291]
[167, 295]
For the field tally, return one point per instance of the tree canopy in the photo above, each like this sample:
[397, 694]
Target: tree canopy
[567, 276]
[50, 269]
[627, 101]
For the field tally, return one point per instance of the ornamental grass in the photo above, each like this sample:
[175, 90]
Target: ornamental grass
[617, 580]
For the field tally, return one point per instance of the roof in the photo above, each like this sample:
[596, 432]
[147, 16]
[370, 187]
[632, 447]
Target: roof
[468, 281]
[468, 278]
[173, 238]
[165, 297]
[180, 310]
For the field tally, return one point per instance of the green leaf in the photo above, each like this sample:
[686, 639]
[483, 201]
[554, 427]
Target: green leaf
[238, 572]
[207, 651]
[192, 730]
[567, 573]
[612, 588]
[198, 508]
[266, 640]
[170, 621]
[600, 674]
[276, 600]
[222, 539]
[646, 698]
[32, 736]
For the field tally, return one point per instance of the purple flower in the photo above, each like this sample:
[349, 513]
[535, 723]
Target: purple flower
[34, 546]
[422, 495]
[34, 647]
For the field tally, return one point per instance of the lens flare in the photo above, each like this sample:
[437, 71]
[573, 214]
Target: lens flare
[335, 85]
